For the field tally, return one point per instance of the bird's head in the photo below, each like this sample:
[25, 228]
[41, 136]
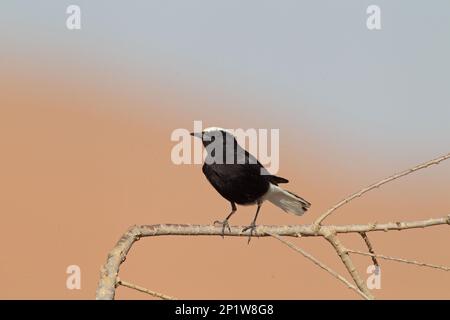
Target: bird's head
[209, 135]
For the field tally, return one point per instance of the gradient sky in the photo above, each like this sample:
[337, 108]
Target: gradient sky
[312, 64]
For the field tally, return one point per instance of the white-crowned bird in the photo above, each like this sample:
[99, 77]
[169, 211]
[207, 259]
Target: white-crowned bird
[241, 179]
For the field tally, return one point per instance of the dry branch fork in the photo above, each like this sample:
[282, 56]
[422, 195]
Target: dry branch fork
[109, 272]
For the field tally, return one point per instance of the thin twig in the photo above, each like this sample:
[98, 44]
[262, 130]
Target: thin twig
[378, 184]
[417, 263]
[320, 264]
[144, 290]
[370, 248]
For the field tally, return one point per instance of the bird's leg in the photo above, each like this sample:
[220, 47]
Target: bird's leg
[252, 226]
[224, 223]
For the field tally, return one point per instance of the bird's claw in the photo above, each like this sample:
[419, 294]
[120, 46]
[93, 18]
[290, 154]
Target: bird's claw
[252, 229]
[224, 225]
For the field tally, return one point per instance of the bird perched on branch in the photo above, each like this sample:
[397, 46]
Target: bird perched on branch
[241, 179]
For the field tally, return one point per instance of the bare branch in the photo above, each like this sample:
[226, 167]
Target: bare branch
[109, 272]
[417, 263]
[109, 279]
[347, 261]
[321, 265]
[392, 225]
[378, 184]
[306, 230]
[144, 290]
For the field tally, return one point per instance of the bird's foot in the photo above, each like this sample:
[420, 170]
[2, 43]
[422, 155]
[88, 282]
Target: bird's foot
[252, 228]
[224, 225]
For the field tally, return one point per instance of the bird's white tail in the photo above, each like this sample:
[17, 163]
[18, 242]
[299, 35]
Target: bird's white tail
[286, 200]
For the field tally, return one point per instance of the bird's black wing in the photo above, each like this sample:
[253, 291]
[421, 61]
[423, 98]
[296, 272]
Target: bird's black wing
[263, 171]
[240, 183]
[276, 180]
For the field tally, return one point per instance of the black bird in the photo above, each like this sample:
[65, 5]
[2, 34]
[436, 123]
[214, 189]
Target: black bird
[241, 179]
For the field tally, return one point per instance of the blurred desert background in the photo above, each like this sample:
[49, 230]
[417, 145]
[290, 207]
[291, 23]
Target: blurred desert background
[86, 118]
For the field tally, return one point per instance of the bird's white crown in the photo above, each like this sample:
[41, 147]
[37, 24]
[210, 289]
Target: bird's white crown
[212, 129]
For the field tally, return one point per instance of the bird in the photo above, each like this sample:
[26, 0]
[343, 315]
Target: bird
[241, 179]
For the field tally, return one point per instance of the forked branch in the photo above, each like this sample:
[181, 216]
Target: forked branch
[109, 272]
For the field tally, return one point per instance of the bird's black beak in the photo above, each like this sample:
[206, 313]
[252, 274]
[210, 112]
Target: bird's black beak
[197, 134]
